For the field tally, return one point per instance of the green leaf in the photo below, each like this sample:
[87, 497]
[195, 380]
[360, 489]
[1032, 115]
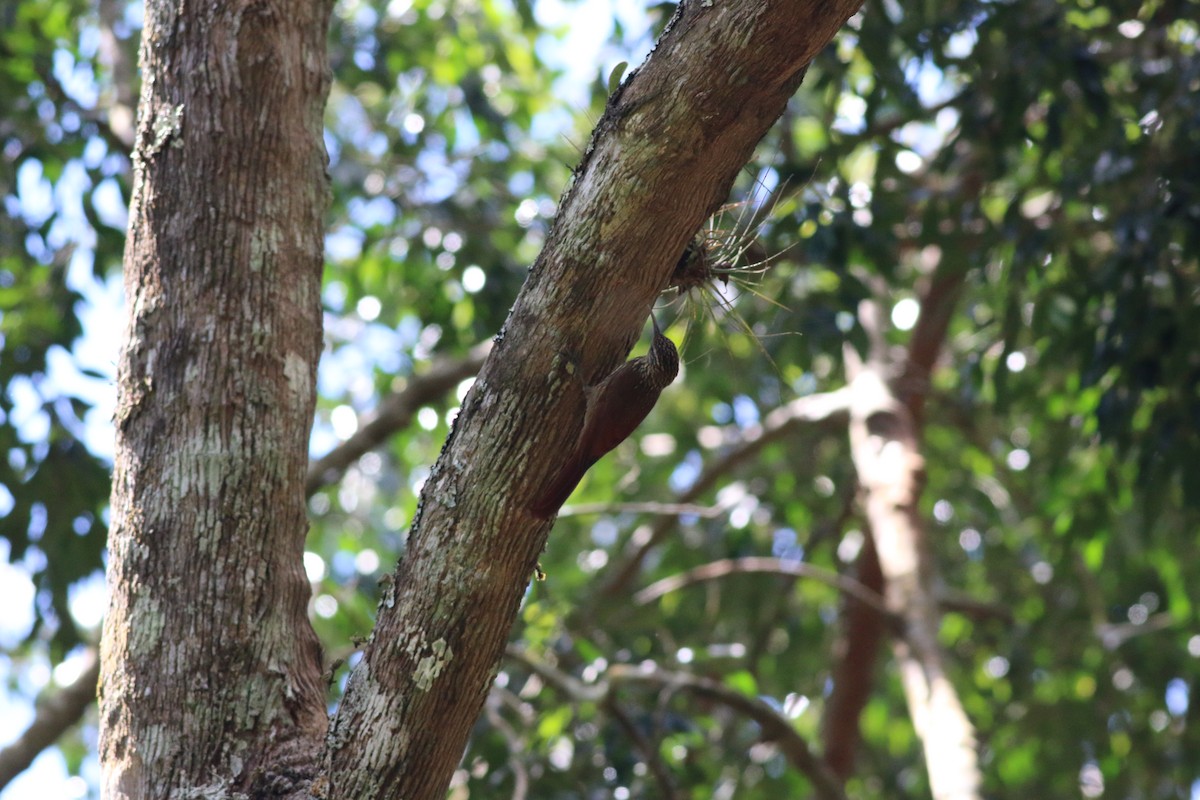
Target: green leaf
[614, 77]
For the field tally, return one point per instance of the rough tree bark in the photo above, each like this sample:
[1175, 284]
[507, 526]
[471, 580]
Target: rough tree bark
[210, 672]
[663, 157]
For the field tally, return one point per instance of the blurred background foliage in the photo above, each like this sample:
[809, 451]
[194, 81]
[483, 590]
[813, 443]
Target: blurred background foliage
[1043, 151]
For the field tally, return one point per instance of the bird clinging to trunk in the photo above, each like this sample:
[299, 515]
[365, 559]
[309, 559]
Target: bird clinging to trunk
[615, 407]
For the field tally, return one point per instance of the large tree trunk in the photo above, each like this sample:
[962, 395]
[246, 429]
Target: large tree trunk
[210, 670]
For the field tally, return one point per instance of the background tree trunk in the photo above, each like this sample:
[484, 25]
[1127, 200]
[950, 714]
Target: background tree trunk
[885, 447]
[210, 670]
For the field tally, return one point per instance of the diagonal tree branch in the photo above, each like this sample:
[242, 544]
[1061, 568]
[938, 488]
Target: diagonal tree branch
[648, 749]
[663, 157]
[55, 715]
[775, 727]
[663, 509]
[756, 565]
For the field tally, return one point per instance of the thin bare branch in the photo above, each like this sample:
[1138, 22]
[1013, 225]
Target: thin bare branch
[775, 727]
[777, 424]
[116, 141]
[568, 684]
[938, 302]
[974, 609]
[516, 746]
[757, 565]
[394, 412]
[661, 509]
[1115, 634]
[660, 771]
[55, 715]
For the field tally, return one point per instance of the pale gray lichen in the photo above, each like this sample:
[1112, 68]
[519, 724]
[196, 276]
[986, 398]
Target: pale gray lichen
[429, 667]
[168, 126]
[296, 371]
[388, 592]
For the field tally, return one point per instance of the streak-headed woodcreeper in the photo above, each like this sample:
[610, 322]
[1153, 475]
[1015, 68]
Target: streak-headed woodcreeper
[615, 407]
